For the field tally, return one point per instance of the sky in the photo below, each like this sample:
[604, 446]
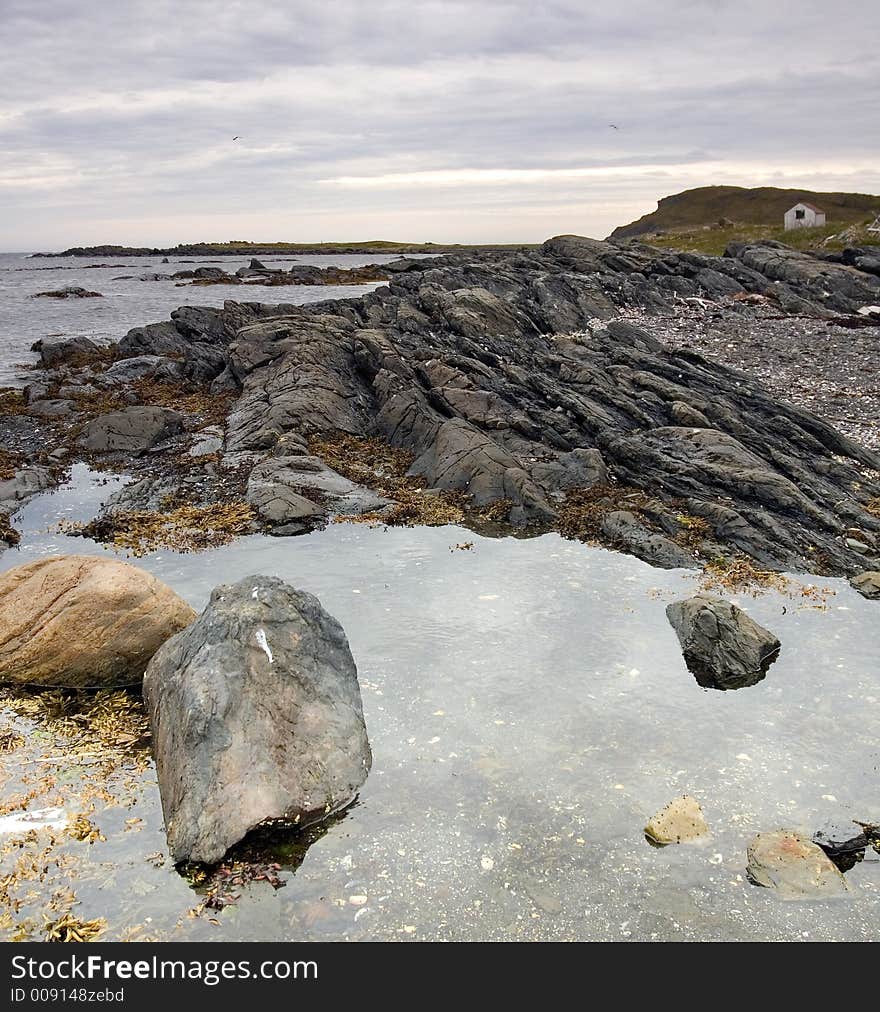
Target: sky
[417, 120]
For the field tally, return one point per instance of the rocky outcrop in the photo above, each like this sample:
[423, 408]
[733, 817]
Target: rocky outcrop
[131, 431]
[75, 621]
[71, 292]
[69, 351]
[511, 379]
[256, 716]
[793, 866]
[681, 821]
[723, 648]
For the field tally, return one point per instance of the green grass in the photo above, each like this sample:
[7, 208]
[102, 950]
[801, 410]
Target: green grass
[712, 240]
[761, 206]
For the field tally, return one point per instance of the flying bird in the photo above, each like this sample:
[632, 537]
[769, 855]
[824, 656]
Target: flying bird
[613, 126]
[237, 137]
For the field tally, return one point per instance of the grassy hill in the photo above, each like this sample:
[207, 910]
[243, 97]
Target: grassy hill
[729, 212]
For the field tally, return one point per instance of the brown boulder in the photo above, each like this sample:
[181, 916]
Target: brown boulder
[792, 865]
[75, 621]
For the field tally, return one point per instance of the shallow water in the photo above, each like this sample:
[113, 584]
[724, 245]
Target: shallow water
[529, 710]
[129, 302]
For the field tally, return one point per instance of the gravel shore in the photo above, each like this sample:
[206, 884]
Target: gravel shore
[829, 369]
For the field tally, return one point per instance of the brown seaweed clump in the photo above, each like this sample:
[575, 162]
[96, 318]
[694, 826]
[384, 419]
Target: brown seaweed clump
[383, 468]
[185, 528]
[68, 928]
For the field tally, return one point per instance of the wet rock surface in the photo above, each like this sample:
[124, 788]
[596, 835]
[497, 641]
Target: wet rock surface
[793, 866]
[77, 621]
[256, 714]
[722, 646]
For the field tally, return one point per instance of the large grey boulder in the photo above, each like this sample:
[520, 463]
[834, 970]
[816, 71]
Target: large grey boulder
[132, 430]
[256, 715]
[722, 646]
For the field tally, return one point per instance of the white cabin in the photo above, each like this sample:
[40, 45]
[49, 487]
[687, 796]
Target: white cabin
[804, 216]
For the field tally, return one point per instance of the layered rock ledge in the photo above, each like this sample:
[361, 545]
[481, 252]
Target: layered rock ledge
[506, 385]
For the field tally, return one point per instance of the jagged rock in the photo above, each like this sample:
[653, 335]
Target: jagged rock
[843, 842]
[66, 352]
[296, 476]
[53, 408]
[509, 376]
[722, 646]
[681, 821]
[70, 292]
[624, 532]
[256, 714]
[867, 584]
[27, 482]
[144, 367]
[133, 430]
[76, 621]
[793, 866]
[278, 503]
[207, 441]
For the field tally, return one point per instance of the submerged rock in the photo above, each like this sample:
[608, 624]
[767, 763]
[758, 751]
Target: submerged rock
[867, 584]
[70, 292]
[681, 821]
[75, 621]
[723, 648]
[256, 715]
[794, 866]
[843, 842]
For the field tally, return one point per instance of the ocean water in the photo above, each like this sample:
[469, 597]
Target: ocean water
[529, 710]
[127, 302]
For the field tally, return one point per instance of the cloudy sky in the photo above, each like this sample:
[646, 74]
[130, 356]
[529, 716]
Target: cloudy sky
[417, 119]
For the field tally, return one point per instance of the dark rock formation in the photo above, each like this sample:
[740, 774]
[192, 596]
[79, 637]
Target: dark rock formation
[256, 715]
[843, 842]
[71, 292]
[509, 377]
[132, 431]
[65, 352]
[723, 648]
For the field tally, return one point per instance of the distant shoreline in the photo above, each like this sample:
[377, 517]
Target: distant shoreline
[269, 249]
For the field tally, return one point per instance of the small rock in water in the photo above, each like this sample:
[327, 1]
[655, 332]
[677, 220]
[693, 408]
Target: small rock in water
[681, 821]
[256, 714]
[794, 866]
[723, 648]
[867, 584]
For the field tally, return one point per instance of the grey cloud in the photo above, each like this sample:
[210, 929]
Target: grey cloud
[116, 109]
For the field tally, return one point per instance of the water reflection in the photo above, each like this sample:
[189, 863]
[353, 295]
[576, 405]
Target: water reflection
[529, 708]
